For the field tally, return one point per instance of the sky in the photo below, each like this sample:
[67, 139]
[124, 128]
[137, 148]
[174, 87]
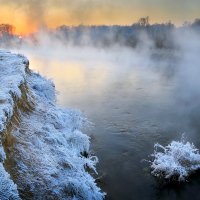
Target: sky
[29, 15]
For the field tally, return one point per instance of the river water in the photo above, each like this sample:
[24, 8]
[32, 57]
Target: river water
[133, 101]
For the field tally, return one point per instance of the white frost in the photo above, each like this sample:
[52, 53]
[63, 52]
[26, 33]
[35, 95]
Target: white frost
[49, 145]
[8, 190]
[175, 161]
[12, 75]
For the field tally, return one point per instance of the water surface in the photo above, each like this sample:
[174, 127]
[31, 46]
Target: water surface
[134, 102]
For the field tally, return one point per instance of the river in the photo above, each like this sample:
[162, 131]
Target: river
[133, 103]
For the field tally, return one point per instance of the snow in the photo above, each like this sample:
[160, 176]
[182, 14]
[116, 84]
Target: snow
[8, 190]
[12, 75]
[49, 144]
[175, 161]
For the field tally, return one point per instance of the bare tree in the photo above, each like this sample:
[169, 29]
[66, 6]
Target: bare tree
[6, 29]
[144, 21]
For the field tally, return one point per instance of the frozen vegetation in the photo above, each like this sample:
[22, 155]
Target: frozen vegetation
[175, 161]
[43, 153]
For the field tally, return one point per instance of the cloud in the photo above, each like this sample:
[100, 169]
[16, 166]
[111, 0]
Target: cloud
[57, 12]
[34, 10]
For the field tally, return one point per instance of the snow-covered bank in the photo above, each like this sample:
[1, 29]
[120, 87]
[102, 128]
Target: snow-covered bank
[42, 147]
[175, 161]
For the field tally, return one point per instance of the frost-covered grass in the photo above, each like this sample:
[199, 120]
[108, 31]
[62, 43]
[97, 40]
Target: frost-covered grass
[50, 145]
[175, 161]
[47, 154]
[12, 75]
[8, 190]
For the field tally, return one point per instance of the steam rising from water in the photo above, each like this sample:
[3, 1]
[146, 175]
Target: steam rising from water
[176, 66]
[136, 75]
[180, 64]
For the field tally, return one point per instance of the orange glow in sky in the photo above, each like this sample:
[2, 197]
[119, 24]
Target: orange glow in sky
[29, 15]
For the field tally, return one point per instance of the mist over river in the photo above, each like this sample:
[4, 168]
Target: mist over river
[134, 98]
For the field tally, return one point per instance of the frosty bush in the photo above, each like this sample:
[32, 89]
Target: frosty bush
[175, 161]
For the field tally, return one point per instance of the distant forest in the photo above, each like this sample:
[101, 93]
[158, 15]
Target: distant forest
[102, 36]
